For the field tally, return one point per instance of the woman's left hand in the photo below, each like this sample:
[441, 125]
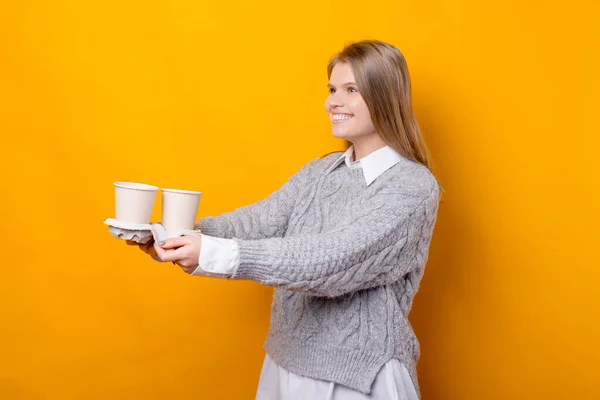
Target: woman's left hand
[183, 251]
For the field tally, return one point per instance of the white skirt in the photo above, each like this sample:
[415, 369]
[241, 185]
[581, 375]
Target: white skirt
[393, 382]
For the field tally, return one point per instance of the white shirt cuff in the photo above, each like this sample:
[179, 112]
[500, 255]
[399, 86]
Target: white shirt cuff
[218, 257]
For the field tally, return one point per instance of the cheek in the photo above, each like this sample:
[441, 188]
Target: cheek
[361, 111]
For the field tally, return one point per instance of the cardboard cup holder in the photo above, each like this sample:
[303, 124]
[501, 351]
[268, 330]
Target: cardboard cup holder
[142, 233]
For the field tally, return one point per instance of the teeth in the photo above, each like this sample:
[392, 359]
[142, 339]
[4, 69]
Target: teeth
[339, 117]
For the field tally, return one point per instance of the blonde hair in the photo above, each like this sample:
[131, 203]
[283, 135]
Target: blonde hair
[381, 74]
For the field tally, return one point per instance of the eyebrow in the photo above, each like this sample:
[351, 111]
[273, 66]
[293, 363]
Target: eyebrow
[344, 84]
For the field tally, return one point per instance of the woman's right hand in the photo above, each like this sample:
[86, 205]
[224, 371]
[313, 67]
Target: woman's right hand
[147, 248]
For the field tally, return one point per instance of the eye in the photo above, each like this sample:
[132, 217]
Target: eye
[331, 90]
[353, 88]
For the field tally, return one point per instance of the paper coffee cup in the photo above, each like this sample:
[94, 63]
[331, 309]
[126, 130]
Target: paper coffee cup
[134, 202]
[179, 208]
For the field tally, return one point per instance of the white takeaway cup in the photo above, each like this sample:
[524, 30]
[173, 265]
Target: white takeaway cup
[179, 208]
[134, 202]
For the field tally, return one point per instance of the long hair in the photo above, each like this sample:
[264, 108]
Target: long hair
[383, 81]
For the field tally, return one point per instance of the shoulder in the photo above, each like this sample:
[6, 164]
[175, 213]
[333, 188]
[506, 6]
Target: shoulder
[313, 168]
[332, 156]
[320, 164]
[329, 158]
[412, 179]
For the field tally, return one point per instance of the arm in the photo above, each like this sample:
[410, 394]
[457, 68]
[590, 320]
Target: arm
[378, 246]
[265, 218]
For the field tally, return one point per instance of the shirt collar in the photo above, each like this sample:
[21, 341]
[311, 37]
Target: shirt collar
[373, 165]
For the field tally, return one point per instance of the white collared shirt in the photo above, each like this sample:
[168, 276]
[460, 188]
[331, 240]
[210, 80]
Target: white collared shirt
[219, 257]
[373, 164]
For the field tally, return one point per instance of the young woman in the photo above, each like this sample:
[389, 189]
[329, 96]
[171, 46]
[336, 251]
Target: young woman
[344, 243]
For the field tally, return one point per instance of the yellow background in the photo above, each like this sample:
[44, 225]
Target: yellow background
[227, 98]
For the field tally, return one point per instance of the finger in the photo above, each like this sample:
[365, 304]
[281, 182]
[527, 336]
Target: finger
[150, 250]
[173, 243]
[170, 255]
[154, 256]
[146, 247]
[188, 270]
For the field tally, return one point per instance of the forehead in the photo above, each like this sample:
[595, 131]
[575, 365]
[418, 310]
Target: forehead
[342, 72]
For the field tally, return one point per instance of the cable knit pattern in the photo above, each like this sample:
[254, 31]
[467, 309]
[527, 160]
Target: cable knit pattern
[346, 260]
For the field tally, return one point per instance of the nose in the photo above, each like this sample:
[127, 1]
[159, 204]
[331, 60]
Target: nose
[334, 101]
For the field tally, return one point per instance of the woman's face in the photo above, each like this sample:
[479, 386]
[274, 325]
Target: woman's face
[347, 110]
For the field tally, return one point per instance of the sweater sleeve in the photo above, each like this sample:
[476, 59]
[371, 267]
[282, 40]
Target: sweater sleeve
[265, 218]
[378, 245]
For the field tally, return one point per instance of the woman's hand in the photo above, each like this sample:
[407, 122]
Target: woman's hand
[147, 248]
[183, 251]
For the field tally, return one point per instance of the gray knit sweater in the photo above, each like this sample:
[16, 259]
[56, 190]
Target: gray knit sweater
[346, 260]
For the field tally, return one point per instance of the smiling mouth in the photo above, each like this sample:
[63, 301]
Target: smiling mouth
[340, 118]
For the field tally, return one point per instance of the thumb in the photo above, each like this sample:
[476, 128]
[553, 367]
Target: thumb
[173, 243]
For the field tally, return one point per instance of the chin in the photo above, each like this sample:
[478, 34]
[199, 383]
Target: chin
[340, 135]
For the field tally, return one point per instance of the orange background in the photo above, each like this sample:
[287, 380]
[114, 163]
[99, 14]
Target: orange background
[227, 98]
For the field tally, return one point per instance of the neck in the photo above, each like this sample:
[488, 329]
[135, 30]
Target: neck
[364, 147]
